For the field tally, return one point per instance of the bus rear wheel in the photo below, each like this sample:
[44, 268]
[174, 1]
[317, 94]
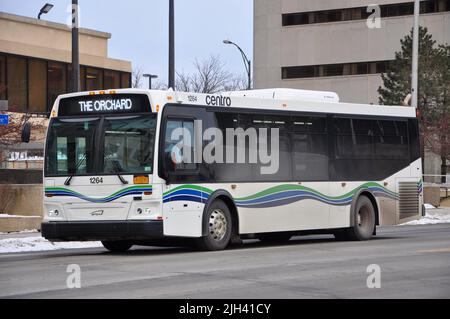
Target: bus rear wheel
[218, 228]
[364, 222]
[117, 246]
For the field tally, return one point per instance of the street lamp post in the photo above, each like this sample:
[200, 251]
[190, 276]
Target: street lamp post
[150, 77]
[45, 9]
[171, 44]
[415, 55]
[75, 49]
[247, 62]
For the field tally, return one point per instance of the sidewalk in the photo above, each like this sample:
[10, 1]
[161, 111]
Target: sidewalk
[433, 216]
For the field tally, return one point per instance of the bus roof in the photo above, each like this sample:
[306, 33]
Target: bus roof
[159, 98]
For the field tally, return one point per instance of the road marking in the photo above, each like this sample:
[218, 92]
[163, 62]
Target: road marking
[437, 250]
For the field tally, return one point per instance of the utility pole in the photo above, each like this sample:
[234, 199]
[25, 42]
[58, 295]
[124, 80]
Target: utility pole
[171, 45]
[75, 83]
[415, 55]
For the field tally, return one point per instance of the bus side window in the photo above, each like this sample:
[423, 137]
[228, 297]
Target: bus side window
[179, 145]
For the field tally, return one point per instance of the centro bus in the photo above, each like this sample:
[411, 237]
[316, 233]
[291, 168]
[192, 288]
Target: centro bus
[110, 172]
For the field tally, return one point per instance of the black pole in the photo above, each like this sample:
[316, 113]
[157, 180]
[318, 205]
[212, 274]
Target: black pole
[171, 45]
[149, 82]
[75, 83]
[249, 86]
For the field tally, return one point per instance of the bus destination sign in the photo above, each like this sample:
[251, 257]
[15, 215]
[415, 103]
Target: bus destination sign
[104, 104]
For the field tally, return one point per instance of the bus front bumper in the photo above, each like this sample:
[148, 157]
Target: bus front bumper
[102, 230]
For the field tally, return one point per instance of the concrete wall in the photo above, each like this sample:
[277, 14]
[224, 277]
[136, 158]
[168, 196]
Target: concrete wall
[49, 40]
[24, 200]
[21, 207]
[326, 43]
[20, 176]
[15, 224]
[431, 195]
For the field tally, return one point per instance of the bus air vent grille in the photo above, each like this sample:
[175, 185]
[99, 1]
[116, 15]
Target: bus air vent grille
[408, 199]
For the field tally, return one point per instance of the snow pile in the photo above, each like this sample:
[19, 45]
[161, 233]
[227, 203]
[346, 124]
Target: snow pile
[38, 243]
[433, 216]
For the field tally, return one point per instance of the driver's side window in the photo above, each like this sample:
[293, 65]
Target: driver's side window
[179, 145]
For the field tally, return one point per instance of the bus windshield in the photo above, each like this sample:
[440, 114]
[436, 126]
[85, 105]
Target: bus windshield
[100, 145]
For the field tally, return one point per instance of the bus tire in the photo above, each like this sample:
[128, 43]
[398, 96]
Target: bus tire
[364, 222]
[118, 246]
[274, 238]
[219, 227]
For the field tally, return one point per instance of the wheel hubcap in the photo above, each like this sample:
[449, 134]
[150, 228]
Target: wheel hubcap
[218, 225]
[363, 219]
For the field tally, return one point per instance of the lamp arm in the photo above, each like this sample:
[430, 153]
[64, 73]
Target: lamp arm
[244, 57]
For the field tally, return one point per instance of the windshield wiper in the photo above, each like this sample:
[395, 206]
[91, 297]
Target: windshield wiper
[68, 179]
[116, 167]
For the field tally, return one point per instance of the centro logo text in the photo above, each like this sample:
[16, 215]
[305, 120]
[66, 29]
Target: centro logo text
[218, 100]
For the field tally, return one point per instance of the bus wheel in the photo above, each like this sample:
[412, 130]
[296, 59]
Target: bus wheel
[274, 238]
[364, 223]
[117, 246]
[219, 227]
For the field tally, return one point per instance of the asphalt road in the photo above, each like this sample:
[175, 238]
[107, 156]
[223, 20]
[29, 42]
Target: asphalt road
[414, 263]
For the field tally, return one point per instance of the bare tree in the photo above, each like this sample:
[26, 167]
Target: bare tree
[137, 77]
[237, 83]
[209, 76]
[159, 85]
[183, 82]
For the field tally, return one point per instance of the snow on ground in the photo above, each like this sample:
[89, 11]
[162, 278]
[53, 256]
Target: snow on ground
[37, 243]
[433, 216]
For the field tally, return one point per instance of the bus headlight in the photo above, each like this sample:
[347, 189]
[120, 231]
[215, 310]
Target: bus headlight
[53, 213]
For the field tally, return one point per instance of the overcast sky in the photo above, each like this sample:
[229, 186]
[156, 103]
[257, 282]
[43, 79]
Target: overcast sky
[139, 28]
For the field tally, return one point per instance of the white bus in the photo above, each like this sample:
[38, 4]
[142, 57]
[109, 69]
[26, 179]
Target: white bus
[112, 172]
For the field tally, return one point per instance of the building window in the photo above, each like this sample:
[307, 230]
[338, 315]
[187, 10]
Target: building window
[360, 13]
[112, 79]
[333, 70]
[17, 83]
[125, 80]
[37, 86]
[2, 77]
[82, 78]
[309, 71]
[57, 81]
[94, 79]
[32, 85]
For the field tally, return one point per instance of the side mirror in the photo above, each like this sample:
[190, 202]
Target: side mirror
[26, 133]
[170, 176]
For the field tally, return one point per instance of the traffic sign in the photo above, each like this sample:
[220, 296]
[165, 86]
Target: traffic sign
[4, 119]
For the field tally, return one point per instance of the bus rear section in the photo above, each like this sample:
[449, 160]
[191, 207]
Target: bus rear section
[99, 166]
